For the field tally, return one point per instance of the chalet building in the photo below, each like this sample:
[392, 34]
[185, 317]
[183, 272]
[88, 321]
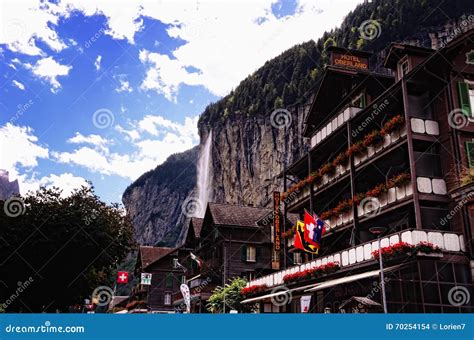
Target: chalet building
[391, 160]
[233, 241]
[166, 279]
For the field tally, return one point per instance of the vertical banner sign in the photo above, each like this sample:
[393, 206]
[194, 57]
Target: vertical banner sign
[305, 302]
[276, 221]
[186, 296]
[146, 279]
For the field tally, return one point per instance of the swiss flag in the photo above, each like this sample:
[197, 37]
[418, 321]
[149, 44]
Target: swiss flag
[122, 277]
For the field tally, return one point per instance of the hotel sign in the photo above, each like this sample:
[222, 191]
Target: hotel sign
[349, 60]
[276, 221]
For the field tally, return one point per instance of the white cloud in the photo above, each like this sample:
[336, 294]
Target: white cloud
[131, 135]
[94, 140]
[228, 41]
[48, 69]
[164, 75]
[149, 153]
[18, 84]
[124, 86]
[67, 182]
[97, 62]
[19, 147]
[24, 23]
[225, 41]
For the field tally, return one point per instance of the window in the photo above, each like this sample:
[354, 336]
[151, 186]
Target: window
[169, 281]
[470, 154]
[403, 68]
[359, 101]
[466, 97]
[297, 258]
[251, 254]
[167, 299]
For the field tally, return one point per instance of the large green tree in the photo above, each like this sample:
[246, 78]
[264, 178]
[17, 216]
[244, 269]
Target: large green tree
[59, 249]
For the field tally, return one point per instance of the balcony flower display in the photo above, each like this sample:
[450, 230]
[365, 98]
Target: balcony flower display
[374, 138]
[341, 159]
[428, 248]
[395, 250]
[403, 249]
[394, 124]
[315, 272]
[327, 168]
[253, 289]
[378, 190]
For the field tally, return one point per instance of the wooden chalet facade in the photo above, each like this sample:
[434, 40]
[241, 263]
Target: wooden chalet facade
[231, 243]
[406, 142]
[166, 277]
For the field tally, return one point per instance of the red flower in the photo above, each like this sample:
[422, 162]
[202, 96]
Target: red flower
[253, 289]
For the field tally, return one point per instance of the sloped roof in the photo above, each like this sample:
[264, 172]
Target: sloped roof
[197, 226]
[236, 215]
[149, 255]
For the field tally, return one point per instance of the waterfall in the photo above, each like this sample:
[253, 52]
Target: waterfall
[204, 178]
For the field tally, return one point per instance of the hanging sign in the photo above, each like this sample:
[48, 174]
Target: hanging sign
[276, 221]
[186, 296]
[349, 60]
[146, 279]
[305, 302]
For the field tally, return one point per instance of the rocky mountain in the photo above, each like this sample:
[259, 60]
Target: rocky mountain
[7, 188]
[154, 201]
[258, 126]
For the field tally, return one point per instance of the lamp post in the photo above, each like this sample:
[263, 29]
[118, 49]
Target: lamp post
[378, 232]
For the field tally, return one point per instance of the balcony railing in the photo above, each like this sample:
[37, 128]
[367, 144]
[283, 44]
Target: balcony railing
[447, 241]
[424, 126]
[342, 170]
[336, 122]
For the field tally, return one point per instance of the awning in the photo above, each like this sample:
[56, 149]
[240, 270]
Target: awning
[281, 292]
[346, 279]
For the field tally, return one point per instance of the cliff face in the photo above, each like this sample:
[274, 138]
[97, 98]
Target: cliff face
[248, 153]
[154, 201]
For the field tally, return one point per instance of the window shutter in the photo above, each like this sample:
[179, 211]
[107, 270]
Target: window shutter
[470, 154]
[243, 253]
[362, 101]
[463, 91]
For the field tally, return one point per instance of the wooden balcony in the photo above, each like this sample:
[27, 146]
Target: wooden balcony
[447, 241]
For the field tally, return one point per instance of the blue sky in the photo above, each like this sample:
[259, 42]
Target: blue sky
[106, 90]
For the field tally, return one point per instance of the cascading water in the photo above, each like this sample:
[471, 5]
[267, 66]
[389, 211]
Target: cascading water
[204, 178]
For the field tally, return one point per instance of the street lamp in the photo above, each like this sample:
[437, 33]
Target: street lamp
[378, 232]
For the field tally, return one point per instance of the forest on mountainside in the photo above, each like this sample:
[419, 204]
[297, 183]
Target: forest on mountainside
[288, 79]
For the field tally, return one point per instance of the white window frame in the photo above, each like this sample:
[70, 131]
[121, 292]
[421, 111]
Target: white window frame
[167, 299]
[251, 254]
[471, 94]
[404, 61]
[297, 258]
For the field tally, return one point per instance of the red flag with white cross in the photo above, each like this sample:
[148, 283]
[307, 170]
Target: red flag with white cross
[122, 277]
